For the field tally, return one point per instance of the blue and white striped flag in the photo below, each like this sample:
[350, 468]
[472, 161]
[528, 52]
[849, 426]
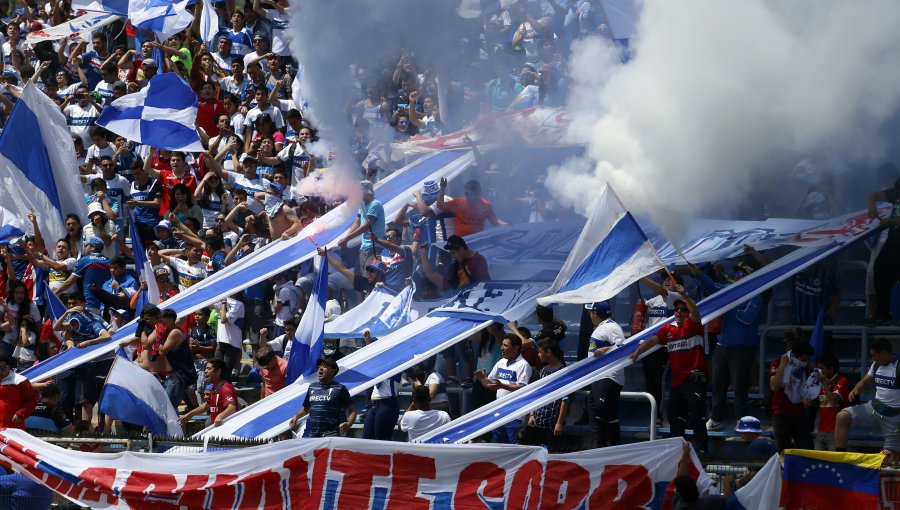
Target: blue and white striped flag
[309, 341]
[164, 17]
[209, 24]
[36, 162]
[162, 115]
[10, 226]
[144, 269]
[133, 395]
[611, 254]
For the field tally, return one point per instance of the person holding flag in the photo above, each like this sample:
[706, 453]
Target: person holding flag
[687, 395]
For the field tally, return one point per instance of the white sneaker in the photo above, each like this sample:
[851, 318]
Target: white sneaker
[713, 425]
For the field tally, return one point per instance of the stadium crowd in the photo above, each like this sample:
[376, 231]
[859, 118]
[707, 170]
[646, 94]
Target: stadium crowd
[197, 213]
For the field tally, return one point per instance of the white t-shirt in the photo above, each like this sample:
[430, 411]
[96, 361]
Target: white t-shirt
[518, 372]
[418, 423]
[109, 228]
[81, 119]
[273, 112]
[287, 295]
[187, 275]
[661, 308]
[281, 344]
[884, 383]
[229, 332]
[608, 333]
[384, 389]
[441, 397]
[281, 42]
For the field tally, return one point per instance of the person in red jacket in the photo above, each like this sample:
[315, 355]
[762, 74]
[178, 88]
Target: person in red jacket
[16, 396]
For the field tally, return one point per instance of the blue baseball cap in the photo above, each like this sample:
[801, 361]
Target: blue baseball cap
[96, 242]
[601, 307]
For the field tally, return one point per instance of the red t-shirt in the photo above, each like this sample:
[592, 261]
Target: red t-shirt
[220, 398]
[781, 404]
[827, 411]
[470, 217]
[207, 111]
[685, 345]
[168, 180]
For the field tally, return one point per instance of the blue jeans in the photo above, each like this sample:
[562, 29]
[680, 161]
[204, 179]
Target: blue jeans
[175, 389]
[506, 434]
[381, 419]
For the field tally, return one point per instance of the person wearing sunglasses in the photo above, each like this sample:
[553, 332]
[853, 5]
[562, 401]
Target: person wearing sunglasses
[683, 337]
[17, 398]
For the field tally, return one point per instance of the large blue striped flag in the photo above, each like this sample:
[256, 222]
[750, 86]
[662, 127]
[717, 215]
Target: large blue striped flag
[816, 480]
[36, 162]
[162, 115]
[133, 395]
[309, 341]
[164, 17]
[611, 254]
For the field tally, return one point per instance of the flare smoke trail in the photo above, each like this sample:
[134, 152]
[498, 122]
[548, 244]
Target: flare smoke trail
[717, 90]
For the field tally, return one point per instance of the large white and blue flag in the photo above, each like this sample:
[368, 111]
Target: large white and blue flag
[762, 492]
[163, 17]
[133, 395]
[162, 115]
[309, 341]
[37, 159]
[209, 24]
[82, 26]
[611, 254]
[11, 227]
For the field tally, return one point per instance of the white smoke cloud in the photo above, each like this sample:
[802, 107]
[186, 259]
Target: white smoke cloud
[717, 88]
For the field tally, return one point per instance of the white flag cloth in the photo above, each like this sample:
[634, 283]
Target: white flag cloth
[134, 395]
[162, 115]
[36, 161]
[611, 253]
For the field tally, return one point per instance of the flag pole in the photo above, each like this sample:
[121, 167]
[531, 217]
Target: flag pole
[652, 248]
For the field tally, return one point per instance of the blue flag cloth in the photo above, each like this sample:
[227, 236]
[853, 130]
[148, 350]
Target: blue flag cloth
[817, 340]
[309, 341]
[36, 161]
[162, 115]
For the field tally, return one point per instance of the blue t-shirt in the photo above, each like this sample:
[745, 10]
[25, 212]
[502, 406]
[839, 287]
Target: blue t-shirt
[126, 281]
[217, 261]
[90, 326]
[150, 191]
[375, 211]
[325, 404]
[399, 268]
[90, 64]
[92, 268]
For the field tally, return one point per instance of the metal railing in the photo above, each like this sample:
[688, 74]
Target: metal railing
[641, 395]
[864, 333]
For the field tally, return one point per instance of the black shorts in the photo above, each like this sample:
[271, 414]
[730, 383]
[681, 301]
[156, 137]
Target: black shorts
[94, 378]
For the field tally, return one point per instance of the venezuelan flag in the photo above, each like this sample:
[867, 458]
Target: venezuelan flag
[815, 480]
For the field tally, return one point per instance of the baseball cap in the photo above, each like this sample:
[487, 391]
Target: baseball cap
[277, 187]
[749, 424]
[120, 85]
[166, 224]
[96, 242]
[367, 187]
[455, 243]
[328, 362]
[149, 62]
[332, 310]
[601, 307]
[430, 191]
[157, 243]
[161, 271]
